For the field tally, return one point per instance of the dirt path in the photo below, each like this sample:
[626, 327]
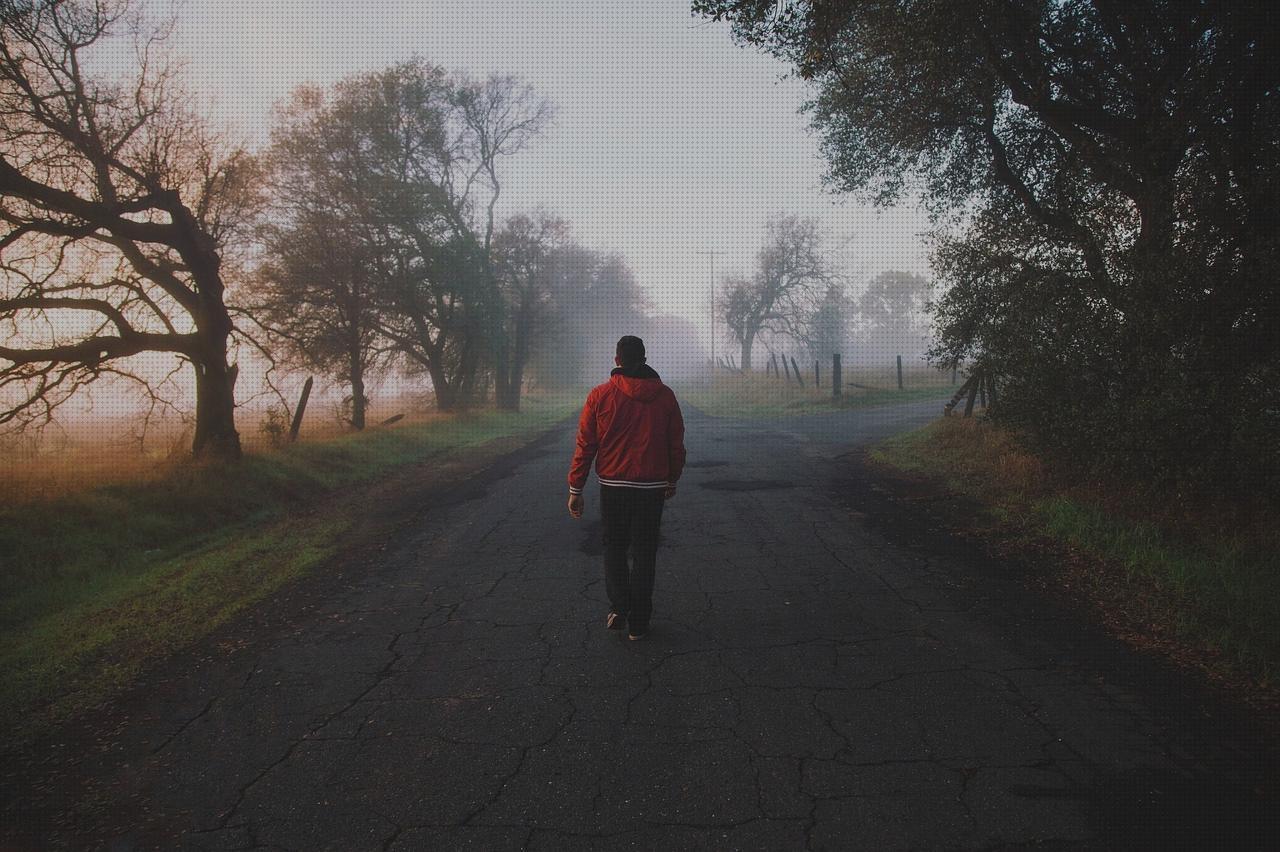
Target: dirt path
[827, 669]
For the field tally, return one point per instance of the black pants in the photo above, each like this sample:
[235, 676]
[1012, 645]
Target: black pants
[631, 517]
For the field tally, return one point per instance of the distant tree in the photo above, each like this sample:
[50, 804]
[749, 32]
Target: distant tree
[778, 298]
[524, 252]
[892, 313]
[828, 328]
[595, 299]
[116, 206]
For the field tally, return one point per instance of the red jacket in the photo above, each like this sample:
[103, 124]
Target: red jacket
[631, 426]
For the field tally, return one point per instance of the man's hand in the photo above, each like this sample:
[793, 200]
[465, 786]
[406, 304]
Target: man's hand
[575, 505]
[669, 491]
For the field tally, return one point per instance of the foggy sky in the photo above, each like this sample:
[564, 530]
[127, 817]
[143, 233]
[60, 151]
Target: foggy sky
[669, 139]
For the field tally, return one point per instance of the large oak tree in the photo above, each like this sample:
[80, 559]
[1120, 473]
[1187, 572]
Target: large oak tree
[114, 206]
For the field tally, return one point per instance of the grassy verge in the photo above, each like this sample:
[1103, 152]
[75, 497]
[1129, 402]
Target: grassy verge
[756, 395]
[1199, 580]
[98, 583]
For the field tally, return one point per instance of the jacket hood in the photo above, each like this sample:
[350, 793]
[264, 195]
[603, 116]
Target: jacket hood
[640, 383]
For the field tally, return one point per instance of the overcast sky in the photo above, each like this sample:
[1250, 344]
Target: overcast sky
[669, 139]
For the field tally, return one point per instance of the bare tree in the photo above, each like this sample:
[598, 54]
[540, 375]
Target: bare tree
[778, 298]
[115, 204]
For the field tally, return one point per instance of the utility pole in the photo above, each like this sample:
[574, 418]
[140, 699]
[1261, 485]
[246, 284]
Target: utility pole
[712, 255]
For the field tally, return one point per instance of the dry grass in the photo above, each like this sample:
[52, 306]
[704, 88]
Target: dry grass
[115, 450]
[970, 450]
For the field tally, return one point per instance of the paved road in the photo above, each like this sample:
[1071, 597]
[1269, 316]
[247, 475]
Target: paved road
[825, 671]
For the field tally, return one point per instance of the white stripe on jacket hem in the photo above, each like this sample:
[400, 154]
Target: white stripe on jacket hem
[626, 483]
[623, 483]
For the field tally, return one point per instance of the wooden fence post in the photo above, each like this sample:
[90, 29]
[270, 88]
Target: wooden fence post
[973, 394]
[955, 397]
[835, 376]
[302, 407]
[899, 372]
[796, 367]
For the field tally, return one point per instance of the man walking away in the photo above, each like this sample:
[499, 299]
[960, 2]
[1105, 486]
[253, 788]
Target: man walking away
[631, 426]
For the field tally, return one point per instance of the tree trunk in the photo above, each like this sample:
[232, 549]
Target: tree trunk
[501, 377]
[357, 393]
[747, 343]
[519, 357]
[517, 385]
[216, 436]
[462, 388]
[445, 396]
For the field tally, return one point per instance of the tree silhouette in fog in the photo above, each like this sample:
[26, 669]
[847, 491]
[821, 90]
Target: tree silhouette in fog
[892, 314]
[779, 297]
[525, 250]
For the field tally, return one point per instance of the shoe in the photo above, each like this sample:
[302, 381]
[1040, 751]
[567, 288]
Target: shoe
[634, 637]
[614, 621]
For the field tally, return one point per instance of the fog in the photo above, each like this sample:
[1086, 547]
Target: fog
[669, 140]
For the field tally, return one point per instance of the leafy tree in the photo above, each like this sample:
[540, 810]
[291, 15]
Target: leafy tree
[892, 313]
[778, 299]
[524, 252]
[316, 294]
[413, 155]
[116, 208]
[1103, 174]
[318, 287]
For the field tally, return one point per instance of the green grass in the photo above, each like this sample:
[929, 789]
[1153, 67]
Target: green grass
[97, 583]
[755, 395]
[1202, 576]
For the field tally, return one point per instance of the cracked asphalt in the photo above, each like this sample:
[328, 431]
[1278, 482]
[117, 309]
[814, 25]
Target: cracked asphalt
[829, 667]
